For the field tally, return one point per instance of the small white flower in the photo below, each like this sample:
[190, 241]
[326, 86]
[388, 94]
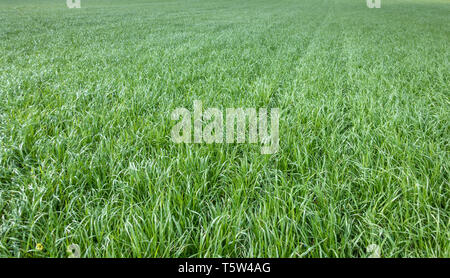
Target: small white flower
[374, 251]
[74, 251]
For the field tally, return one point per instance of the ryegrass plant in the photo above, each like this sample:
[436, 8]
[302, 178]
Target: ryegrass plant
[85, 150]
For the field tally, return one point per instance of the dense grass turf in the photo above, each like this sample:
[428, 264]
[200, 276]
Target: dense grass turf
[86, 155]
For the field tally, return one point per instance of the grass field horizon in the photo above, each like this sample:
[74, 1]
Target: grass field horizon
[86, 155]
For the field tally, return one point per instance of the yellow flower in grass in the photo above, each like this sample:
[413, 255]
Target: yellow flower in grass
[39, 247]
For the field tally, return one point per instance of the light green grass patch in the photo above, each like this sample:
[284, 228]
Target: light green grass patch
[85, 150]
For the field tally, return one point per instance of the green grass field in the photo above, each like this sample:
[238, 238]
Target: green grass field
[86, 155]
